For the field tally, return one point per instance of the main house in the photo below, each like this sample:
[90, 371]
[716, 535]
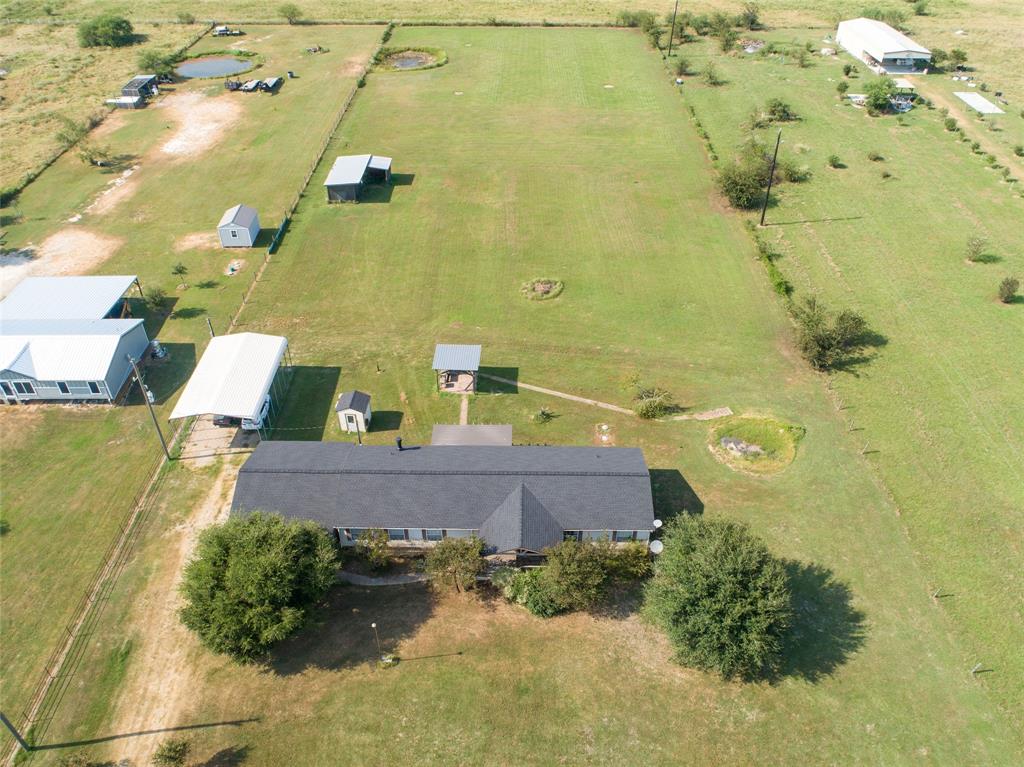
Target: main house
[518, 499]
[68, 338]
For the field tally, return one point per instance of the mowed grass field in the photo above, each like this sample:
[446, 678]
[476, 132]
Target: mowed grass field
[939, 409]
[62, 512]
[515, 161]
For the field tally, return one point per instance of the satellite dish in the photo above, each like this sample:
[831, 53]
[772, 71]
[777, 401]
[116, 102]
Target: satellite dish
[656, 547]
[657, 524]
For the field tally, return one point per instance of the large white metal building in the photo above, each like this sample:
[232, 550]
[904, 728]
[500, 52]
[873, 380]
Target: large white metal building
[881, 47]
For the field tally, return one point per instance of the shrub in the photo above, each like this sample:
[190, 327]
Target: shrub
[682, 66]
[701, 24]
[654, 37]
[727, 39]
[455, 562]
[156, 298]
[949, 124]
[643, 19]
[372, 546]
[876, 156]
[173, 752]
[921, 7]
[791, 172]
[1008, 289]
[70, 132]
[834, 161]
[975, 146]
[957, 58]
[721, 597]
[878, 92]
[848, 69]
[544, 415]
[779, 111]
[803, 59]
[628, 561]
[975, 250]
[742, 184]
[825, 339]
[156, 62]
[184, 17]
[650, 402]
[842, 87]
[1019, 150]
[107, 29]
[253, 581]
[748, 17]
[575, 574]
[290, 12]
[709, 75]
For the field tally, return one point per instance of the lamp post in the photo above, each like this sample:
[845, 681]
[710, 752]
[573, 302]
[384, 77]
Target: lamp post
[380, 653]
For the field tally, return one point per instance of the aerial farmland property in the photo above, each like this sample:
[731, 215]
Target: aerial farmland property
[445, 352]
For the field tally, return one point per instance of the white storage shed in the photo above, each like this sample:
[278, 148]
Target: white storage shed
[239, 227]
[353, 411]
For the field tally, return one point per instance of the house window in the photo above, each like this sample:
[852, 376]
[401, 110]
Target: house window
[433, 535]
[458, 533]
[94, 387]
[396, 534]
[7, 388]
[620, 536]
[24, 387]
[572, 535]
[593, 535]
[353, 533]
[234, 233]
[63, 387]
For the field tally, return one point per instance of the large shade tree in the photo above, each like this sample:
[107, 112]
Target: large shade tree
[253, 581]
[721, 597]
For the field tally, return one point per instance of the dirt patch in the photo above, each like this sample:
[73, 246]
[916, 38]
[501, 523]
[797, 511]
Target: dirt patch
[116, 192]
[197, 241]
[161, 680]
[353, 66]
[70, 251]
[202, 121]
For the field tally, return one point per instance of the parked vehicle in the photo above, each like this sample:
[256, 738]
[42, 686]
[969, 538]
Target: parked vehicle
[226, 421]
[255, 424]
[223, 31]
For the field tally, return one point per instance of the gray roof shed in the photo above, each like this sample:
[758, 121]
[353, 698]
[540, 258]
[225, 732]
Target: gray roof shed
[352, 400]
[348, 169]
[522, 497]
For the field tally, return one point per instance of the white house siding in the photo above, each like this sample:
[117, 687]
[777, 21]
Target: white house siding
[50, 390]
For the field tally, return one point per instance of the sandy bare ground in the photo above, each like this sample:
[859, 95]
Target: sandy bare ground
[72, 250]
[202, 122]
[160, 682]
[197, 241]
[116, 192]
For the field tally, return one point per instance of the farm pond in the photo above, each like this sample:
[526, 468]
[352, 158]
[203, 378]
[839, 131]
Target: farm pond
[212, 66]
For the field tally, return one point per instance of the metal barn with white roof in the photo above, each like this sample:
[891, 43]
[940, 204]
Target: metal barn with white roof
[350, 172]
[236, 377]
[68, 298]
[881, 47]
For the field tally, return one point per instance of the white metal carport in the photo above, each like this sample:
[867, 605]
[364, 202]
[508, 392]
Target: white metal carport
[234, 376]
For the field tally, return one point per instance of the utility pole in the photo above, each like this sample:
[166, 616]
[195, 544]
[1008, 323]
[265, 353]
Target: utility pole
[152, 413]
[210, 326]
[771, 176]
[14, 731]
[359, 433]
[672, 29]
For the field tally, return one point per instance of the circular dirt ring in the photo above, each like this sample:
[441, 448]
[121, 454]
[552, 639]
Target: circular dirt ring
[755, 444]
[542, 289]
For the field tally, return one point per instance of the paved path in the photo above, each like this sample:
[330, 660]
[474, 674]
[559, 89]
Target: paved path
[707, 415]
[464, 410]
[563, 395]
[384, 580]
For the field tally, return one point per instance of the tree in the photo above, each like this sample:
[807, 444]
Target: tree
[372, 544]
[654, 37]
[779, 111]
[727, 39]
[70, 132]
[826, 339]
[710, 75]
[848, 69]
[156, 298]
[975, 250]
[721, 597]
[741, 184]
[939, 57]
[180, 271]
[455, 562]
[575, 574]
[682, 66]
[290, 12]
[107, 29]
[1008, 289]
[156, 62]
[749, 16]
[957, 58]
[172, 753]
[253, 581]
[842, 87]
[877, 93]
[93, 154]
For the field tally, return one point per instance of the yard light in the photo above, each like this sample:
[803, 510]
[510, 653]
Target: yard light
[380, 653]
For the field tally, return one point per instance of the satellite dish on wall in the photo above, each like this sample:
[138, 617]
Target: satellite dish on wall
[656, 547]
[657, 524]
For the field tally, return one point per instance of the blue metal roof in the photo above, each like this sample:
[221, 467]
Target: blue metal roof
[457, 357]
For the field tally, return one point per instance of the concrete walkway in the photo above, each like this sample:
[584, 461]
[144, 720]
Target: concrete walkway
[707, 415]
[464, 410]
[562, 395]
[384, 580]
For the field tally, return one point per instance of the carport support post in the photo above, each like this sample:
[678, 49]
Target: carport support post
[152, 413]
[771, 176]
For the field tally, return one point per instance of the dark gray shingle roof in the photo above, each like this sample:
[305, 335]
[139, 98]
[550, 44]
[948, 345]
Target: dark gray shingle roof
[353, 400]
[339, 484]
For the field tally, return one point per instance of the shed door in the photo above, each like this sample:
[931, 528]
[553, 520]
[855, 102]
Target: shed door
[351, 420]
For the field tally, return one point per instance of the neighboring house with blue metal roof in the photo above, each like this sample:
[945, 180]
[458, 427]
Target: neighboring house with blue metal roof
[65, 338]
[519, 499]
